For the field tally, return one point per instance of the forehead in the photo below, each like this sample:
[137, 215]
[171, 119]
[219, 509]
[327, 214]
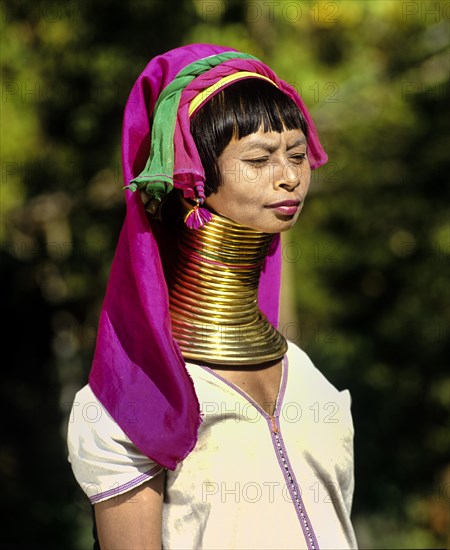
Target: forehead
[268, 141]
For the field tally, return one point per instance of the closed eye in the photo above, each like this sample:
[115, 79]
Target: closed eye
[298, 158]
[257, 161]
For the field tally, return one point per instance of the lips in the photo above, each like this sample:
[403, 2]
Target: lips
[284, 203]
[287, 208]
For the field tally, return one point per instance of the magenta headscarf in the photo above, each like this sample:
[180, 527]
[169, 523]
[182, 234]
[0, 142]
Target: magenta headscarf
[138, 372]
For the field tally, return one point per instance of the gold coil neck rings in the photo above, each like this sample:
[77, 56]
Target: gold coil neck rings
[213, 295]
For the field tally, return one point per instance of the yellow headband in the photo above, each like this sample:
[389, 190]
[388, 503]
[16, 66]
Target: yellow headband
[204, 94]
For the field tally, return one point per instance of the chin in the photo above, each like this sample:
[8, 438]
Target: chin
[285, 223]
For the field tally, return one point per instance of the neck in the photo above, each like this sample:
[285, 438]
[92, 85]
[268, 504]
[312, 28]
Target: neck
[213, 292]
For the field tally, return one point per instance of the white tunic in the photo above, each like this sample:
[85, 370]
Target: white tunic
[252, 481]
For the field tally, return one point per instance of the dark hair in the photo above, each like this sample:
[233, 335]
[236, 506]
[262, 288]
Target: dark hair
[235, 112]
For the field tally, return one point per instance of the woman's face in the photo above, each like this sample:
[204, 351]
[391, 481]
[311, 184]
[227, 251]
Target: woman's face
[265, 179]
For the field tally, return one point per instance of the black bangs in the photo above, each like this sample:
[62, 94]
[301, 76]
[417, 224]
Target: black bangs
[235, 112]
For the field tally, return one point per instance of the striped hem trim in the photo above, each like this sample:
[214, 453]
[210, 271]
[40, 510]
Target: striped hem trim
[119, 489]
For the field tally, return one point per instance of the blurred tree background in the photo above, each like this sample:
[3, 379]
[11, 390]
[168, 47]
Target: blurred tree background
[368, 263]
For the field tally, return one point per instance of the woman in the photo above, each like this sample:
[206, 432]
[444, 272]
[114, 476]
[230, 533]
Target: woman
[199, 426]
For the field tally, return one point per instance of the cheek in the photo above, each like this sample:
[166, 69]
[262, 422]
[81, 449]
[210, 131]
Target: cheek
[308, 180]
[240, 182]
[306, 177]
[257, 180]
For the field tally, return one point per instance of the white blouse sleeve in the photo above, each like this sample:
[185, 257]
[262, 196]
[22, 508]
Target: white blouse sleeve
[345, 464]
[104, 460]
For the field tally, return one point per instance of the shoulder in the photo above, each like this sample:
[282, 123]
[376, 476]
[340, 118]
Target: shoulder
[104, 460]
[311, 385]
[302, 367]
[90, 421]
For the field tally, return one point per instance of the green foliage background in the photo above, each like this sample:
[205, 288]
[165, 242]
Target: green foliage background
[367, 265]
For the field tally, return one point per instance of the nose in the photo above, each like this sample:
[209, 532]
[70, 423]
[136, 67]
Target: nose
[289, 175]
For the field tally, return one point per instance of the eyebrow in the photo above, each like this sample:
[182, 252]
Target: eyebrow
[260, 143]
[300, 141]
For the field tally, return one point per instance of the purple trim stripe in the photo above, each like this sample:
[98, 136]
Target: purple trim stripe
[127, 486]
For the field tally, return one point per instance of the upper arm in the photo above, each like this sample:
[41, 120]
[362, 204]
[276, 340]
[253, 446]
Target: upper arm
[125, 486]
[134, 519]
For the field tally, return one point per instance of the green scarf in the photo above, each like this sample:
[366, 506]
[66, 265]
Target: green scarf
[157, 176]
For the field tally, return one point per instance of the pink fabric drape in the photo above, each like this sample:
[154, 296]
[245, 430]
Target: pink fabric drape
[138, 372]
